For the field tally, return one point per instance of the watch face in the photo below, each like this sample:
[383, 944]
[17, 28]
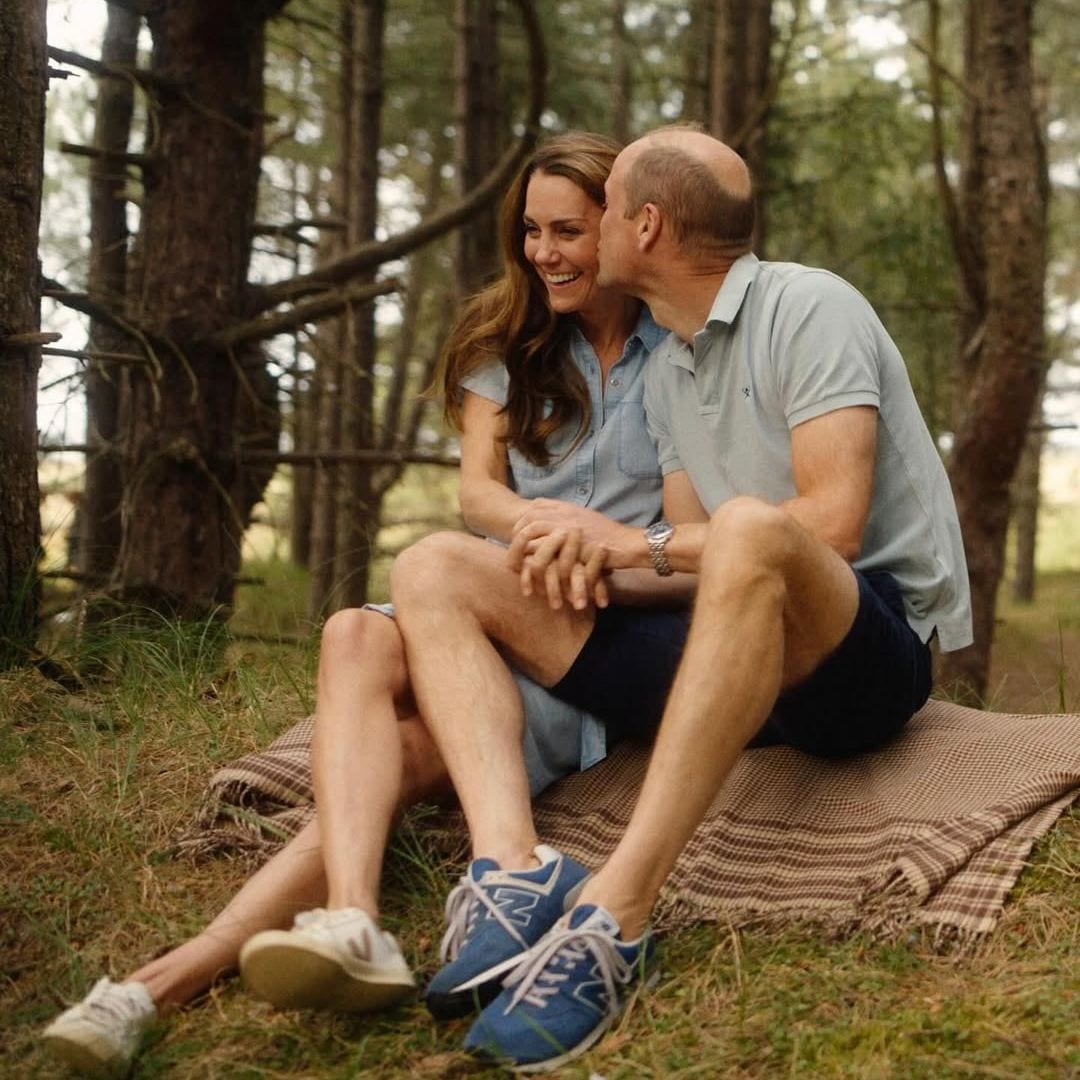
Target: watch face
[659, 530]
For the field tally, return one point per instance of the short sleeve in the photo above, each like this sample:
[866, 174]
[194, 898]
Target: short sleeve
[490, 381]
[657, 414]
[824, 348]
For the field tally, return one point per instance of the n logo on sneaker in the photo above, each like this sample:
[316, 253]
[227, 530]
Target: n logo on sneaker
[516, 905]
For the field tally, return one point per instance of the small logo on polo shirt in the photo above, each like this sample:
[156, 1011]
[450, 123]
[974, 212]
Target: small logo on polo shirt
[746, 391]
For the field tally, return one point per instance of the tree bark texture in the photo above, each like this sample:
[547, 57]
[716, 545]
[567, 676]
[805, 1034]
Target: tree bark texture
[697, 62]
[477, 145]
[1003, 265]
[1025, 517]
[739, 89]
[23, 82]
[187, 498]
[621, 73]
[99, 522]
[357, 514]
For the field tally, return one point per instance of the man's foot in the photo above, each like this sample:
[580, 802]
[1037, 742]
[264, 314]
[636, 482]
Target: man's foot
[493, 917]
[565, 993]
[101, 1034]
[336, 960]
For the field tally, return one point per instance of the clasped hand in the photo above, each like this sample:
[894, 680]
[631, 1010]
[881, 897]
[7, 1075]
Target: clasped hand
[559, 550]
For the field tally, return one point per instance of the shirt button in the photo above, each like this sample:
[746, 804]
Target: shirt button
[616, 381]
[583, 490]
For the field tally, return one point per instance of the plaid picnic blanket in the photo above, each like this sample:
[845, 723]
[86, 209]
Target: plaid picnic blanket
[934, 829]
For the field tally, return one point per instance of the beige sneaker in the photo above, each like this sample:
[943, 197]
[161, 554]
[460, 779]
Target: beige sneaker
[335, 960]
[101, 1034]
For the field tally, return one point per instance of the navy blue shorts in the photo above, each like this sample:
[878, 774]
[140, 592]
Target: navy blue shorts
[876, 679]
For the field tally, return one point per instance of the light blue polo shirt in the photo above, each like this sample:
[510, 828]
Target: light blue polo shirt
[613, 470]
[783, 344]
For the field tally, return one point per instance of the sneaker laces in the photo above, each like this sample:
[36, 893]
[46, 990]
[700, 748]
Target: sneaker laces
[113, 1001]
[538, 976]
[463, 907]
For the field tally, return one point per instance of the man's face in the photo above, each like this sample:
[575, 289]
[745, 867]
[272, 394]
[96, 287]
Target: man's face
[617, 248]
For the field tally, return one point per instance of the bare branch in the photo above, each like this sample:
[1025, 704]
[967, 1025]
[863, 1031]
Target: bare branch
[98, 356]
[117, 71]
[28, 340]
[284, 322]
[143, 161]
[351, 457]
[327, 458]
[368, 256]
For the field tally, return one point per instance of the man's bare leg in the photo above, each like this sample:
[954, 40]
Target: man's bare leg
[453, 597]
[773, 601]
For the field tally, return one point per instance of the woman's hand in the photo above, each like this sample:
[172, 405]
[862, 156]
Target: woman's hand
[560, 562]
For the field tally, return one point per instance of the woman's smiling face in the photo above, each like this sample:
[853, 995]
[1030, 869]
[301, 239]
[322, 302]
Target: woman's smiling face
[562, 229]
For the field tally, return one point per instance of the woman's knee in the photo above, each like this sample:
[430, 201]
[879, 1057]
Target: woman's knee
[359, 632]
[431, 567]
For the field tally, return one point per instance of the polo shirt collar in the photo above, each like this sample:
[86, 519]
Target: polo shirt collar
[731, 294]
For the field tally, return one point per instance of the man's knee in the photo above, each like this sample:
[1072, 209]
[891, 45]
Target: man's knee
[748, 532]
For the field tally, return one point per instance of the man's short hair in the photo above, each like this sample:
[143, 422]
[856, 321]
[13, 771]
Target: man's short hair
[703, 215]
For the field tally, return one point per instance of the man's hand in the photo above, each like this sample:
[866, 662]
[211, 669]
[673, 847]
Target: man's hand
[556, 514]
[560, 562]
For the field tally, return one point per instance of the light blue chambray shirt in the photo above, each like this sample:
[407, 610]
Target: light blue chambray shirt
[613, 470]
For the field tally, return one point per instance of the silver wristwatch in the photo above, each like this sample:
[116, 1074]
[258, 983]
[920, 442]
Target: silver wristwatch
[656, 536]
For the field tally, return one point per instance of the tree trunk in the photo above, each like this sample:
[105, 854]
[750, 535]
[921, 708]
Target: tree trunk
[184, 421]
[1001, 361]
[621, 73]
[698, 38]
[305, 406]
[739, 89]
[476, 79]
[1025, 516]
[357, 517]
[23, 82]
[99, 529]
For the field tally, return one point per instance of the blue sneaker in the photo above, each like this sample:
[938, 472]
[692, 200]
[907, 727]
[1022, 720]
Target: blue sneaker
[494, 916]
[564, 994]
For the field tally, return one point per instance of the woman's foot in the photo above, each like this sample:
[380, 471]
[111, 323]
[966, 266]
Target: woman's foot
[101, 1034]
[336, 960]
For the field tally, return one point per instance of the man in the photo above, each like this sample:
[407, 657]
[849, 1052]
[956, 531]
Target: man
[808, 498]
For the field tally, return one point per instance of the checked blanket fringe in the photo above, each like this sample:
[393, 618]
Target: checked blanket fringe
[933, 830]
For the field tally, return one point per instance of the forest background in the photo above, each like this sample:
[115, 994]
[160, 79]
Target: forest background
[256, 223]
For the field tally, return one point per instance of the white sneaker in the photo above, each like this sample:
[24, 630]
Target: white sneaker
[337, 960]
[101, 1034]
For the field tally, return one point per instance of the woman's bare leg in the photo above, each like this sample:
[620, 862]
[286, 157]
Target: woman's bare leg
[371, 759]
[358, 765]
[291, 881]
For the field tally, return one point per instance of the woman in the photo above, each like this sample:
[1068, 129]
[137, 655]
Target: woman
[543, 375]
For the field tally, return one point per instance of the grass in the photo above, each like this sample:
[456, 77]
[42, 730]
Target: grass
[95, 787]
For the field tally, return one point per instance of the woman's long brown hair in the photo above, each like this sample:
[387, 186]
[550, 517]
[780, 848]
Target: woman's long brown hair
[510, 321]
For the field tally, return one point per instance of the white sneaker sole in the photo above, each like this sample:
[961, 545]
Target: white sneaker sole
[292, 973]
[85, 1052]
